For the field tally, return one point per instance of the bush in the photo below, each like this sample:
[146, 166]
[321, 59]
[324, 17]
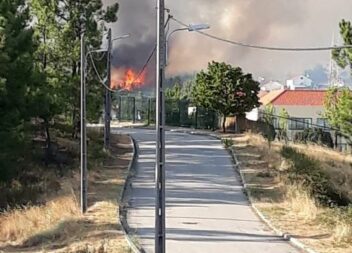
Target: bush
[267, 130]
[314, 135]
[228, 143]
[306, 172]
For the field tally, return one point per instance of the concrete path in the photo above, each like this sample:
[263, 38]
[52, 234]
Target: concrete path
[207, 211]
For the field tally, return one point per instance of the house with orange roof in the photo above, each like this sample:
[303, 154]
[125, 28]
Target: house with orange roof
[305, 109]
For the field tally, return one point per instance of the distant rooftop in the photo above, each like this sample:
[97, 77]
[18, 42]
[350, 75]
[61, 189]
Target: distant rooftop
[269, 97]
[295, 97]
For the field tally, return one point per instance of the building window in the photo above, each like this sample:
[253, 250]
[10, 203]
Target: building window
[323, 123]
[275, 123]
[299, 123]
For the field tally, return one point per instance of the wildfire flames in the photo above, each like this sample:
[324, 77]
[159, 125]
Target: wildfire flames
[127, 79]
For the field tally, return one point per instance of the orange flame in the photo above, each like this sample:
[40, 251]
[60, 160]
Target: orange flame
[127, 79]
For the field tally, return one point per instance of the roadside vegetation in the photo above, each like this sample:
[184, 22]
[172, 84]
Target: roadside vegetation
[56, 224]
[305, 190]
[39, 91]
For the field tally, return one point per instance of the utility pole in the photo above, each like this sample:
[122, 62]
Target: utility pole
[107, 100]
[84, 183]
[160, 132]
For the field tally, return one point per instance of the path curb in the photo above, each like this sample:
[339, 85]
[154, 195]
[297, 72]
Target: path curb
[294, 241]
[123, 207]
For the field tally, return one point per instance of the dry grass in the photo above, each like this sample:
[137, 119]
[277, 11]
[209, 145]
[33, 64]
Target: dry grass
[19, 224]
[343, 232]
[296, 211]
[301, 203]
[58, 225]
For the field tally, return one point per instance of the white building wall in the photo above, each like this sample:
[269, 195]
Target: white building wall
[300, 82]
[313, 112]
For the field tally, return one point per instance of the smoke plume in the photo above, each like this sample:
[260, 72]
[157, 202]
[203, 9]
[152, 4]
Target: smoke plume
[285, 23]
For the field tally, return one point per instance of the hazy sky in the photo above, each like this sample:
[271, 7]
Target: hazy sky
[283, 23]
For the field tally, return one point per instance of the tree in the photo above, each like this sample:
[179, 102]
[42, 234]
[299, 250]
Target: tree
[226, 90]
[343, 57]
[269, 117]
[269, 114]
[178, 89]
[59, 25]
[338, 103]
[174, 93]
[283, 125]
[16, 72]
[338, 110]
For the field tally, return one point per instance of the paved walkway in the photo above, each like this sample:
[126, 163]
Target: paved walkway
[207, 211]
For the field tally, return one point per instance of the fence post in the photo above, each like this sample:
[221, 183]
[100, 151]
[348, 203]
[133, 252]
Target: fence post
[148, 111]
[120, 108]
[133, 110]
[179, 112]
[213, 118]
[196, 116]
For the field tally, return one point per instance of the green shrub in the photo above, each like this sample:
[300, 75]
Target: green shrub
[314, 135]
[228, 143]
[306, 171]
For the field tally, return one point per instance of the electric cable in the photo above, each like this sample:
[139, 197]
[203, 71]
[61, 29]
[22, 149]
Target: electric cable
[138, 76]
[241, 44]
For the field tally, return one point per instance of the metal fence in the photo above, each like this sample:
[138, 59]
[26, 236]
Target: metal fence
[181, 113]
[303, 131]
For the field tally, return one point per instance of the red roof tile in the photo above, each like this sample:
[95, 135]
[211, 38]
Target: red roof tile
[300, 98]
[270, 97]
[262, 93]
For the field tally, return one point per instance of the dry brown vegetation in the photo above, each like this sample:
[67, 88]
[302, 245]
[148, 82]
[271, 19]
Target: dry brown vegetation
[58, 226]
[290, 205]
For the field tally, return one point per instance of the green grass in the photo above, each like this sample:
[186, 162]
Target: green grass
[228, 143]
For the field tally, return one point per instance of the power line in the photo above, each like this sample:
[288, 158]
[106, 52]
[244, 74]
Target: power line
[145, 65]
[102, 56]
[241, 44]
[137, 77]
[98, 75]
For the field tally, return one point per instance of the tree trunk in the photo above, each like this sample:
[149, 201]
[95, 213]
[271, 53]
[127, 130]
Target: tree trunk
[224, 124]
[48, 150]
[75, 102]
[47, 134]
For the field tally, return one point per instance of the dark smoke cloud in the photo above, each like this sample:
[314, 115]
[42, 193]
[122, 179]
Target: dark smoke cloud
[264, 22]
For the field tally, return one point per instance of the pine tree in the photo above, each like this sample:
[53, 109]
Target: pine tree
[59, 25]
[343, 57]
[338, 110]
[338, 102]
[16, 72]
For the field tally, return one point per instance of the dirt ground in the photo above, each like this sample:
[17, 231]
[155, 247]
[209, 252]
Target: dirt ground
[58, 226]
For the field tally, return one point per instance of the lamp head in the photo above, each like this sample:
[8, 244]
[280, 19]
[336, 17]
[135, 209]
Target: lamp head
[198, 27]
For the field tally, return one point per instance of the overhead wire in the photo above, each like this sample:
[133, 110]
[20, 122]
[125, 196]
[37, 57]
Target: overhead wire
[101, 57]
[145, 65]
[134, 80]
[98, 75]
[269, 48]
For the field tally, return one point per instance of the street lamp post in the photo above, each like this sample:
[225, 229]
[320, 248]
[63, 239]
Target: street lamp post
[161, 62]
[190, 28]
[160, 132]
[83, 158]
[107, 100]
